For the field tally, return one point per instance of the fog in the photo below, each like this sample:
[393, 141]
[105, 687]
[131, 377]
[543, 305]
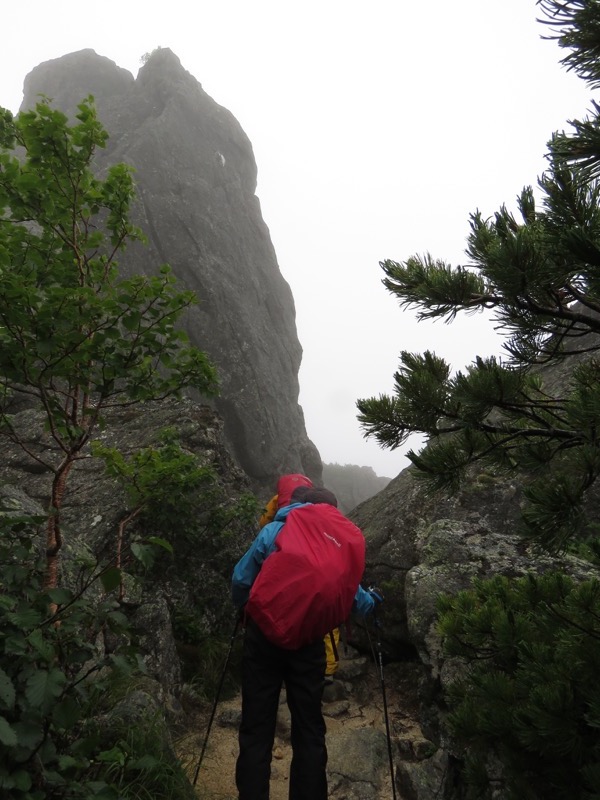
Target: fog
[377, 130]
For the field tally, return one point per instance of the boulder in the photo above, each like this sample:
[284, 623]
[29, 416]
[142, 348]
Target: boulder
[421, 545]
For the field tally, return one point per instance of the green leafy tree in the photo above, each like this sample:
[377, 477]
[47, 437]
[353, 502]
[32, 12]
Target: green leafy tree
[180, 521]
[52, 678]
[151, 477]
[77, 338]
[537, 274]
[60, 735]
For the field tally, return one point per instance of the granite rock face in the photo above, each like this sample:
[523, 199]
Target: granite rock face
[95, 502]
[419, 546]
[196, 181]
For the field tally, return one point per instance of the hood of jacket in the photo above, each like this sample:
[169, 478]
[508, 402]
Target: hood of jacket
[286, 485]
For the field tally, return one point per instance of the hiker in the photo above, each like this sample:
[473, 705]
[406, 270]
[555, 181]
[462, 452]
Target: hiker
[266, 666]
[286, 486]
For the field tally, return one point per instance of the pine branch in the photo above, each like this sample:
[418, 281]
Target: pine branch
[576, 26]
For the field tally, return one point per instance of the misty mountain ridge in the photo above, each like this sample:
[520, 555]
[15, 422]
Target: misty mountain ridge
[352, 484]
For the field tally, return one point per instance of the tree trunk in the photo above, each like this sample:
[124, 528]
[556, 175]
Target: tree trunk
[53, 531]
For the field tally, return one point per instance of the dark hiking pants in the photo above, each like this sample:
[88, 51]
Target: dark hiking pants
[264, 668]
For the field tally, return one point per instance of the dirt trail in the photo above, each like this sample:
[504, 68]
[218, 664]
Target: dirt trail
[348, 705]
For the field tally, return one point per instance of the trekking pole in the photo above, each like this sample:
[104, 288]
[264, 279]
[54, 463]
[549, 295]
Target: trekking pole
[385, 708]
[218, 694]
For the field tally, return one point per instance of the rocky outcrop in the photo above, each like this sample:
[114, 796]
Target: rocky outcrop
[418, 547]
[197, 577]
[196, 180]
[197, 585]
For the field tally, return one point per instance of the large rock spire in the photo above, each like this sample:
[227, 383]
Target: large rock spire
[196, 181]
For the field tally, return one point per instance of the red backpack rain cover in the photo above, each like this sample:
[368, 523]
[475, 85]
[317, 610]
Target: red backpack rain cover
[306, 587]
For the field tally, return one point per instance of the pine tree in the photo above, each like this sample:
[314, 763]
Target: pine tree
[529, 699]
[526, 707]
[538, 274]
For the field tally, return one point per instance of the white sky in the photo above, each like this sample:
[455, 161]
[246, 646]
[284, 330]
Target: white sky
[377, 128]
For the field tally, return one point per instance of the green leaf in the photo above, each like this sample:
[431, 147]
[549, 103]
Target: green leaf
[7, 603]
[117, 621]
[66, 713]
[15, 645]
[156, 540]
[43, 647]
[44, 687]
[60, 596]
[102, 791]
[143, 553]
[146, 762]
[66, 762]
[30, 733]
[113, 756]
[26, 619]
[21, 780]
[7, 691]
[131, 321]
[111, 579]
[8, 737]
